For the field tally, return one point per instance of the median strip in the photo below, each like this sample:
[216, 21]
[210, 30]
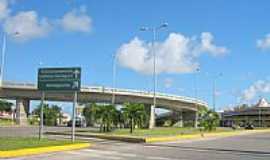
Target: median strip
[162, 138]
[41, 150]
[202, 136]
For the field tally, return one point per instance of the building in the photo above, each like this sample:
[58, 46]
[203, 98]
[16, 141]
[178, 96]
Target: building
[257, 115]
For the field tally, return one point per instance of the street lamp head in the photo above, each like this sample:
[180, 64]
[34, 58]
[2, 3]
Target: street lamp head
[144, 29]
[164, 25]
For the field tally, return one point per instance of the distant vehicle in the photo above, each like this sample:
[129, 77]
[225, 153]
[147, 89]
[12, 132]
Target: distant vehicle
[79, 122]
[249, 126]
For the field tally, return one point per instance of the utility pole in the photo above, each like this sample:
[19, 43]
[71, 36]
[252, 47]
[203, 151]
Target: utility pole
[215, 90]
[3, 57]
[114, 79]
[154, 32]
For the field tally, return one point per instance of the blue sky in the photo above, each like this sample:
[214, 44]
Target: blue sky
[224, 36]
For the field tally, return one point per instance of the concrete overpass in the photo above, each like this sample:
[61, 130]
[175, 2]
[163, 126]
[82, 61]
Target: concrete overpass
[24, 92]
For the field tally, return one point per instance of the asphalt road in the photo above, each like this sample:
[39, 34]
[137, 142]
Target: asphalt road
[248, 147]
[32, 131]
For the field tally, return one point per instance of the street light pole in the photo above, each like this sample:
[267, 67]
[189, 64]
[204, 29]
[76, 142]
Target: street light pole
[114, 79]
[214, 90]
[154, 32]
[152, 120]
[214, 94]
[3, 59]
[3, 56]
[196, 97]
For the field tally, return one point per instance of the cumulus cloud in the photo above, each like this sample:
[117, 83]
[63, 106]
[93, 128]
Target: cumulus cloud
[4, 10]
[177, 54]
[264, 43]
[77, 20]
[208, 46]
[257, 88]
[27, 24]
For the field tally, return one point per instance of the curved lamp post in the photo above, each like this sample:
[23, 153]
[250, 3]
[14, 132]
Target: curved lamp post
[154, 31]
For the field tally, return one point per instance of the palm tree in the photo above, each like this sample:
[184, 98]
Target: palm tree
[51, 114]
[135, 115]
[209, 120]
[89, 112]
[106, 114]
[5, 106]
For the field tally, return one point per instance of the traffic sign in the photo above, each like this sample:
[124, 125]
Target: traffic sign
[59, 79]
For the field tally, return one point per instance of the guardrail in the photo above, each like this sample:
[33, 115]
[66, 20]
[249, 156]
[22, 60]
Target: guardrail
[102, 89]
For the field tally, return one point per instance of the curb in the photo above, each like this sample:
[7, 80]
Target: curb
[168, 138]
[41, 150]
[202, 136]
[121, 138]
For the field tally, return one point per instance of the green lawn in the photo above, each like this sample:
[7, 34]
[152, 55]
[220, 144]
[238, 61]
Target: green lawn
[159, 131]
[6, 122]
[9, 143]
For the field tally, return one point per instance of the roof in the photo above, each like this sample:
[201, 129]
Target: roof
[262, 103]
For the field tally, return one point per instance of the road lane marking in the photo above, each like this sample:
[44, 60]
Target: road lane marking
[93, 155]
[159, 158]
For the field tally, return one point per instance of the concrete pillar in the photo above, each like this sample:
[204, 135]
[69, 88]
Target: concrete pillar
[196, 120]
[177, 117]
[180, 119]
[152, 119]
[190, 118]
[22, 107]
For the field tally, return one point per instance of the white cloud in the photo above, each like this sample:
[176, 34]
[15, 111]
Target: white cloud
[177, 54]
[264, 43]
[28, 25]
[168, 82]
[257, 88]
[77, 20]
[208, 46]
[4, 10]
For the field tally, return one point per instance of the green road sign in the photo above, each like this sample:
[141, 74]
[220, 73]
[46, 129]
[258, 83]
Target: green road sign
[59, 79]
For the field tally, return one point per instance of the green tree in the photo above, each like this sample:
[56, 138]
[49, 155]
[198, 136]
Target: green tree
[89, 112]
[209, 119]
[135, 114]
[50, 114]
[105, 115]
[5, 106]
[241, 107]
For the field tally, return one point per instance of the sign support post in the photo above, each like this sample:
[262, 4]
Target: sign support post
[62, 80]
[74, 115]
[41, 115]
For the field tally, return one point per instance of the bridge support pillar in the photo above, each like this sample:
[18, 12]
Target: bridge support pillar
[22, 109]
[196, 119]
[152, 119]
[191, 118]
[180, 119]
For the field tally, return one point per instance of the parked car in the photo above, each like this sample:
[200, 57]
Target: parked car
[79, 122]
[249, 126]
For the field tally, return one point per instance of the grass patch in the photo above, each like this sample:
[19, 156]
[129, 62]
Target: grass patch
[170, 131]
[156, 132]
[10, 143]
[6, 122]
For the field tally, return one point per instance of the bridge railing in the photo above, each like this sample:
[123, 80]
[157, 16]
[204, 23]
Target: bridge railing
[144, 93]
[21, 85]
[102, 89]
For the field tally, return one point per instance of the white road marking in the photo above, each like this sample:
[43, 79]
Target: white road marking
[109, 153]
[159, 158]
[93, 154]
